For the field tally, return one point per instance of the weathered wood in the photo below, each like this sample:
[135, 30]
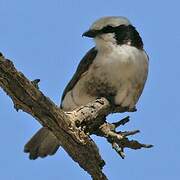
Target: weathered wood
[29, 99]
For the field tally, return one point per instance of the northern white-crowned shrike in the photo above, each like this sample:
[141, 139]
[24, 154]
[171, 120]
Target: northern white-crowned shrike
[116, 68]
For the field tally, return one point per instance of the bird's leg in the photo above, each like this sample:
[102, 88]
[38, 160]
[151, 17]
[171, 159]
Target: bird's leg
[111, 99]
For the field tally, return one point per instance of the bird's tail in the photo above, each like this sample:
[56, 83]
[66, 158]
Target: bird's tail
[43, 143]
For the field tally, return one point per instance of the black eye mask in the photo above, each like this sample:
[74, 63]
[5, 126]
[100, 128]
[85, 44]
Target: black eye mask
[124, 34]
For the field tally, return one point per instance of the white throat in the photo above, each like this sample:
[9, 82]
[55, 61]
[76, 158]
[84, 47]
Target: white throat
[105, 42]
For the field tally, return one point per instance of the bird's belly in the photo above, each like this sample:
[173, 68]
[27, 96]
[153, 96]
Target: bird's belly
[119, 76]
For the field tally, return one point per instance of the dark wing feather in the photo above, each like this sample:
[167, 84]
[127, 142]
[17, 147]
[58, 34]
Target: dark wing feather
[82, 67]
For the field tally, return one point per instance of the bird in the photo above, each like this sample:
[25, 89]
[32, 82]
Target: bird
[115, 68]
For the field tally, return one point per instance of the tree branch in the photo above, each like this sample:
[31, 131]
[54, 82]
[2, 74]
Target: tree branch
[71, 128]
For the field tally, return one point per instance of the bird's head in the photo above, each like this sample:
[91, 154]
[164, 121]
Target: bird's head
[113, 30]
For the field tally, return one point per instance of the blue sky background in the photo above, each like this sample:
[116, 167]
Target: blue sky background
[43, 38]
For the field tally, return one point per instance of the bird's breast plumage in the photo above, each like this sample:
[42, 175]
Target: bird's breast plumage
[120, 73]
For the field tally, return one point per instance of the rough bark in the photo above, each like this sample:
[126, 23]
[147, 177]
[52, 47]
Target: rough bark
[73, 129]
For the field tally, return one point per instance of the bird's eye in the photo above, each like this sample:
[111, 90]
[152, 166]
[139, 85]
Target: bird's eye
[108, 29]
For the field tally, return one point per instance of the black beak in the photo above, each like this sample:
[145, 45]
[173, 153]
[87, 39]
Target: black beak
[91, 33]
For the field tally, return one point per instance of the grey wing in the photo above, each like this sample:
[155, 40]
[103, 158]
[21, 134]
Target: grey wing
[82, 67]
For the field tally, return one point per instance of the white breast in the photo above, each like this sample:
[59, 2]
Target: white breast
[122, 63]
[124, 68]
